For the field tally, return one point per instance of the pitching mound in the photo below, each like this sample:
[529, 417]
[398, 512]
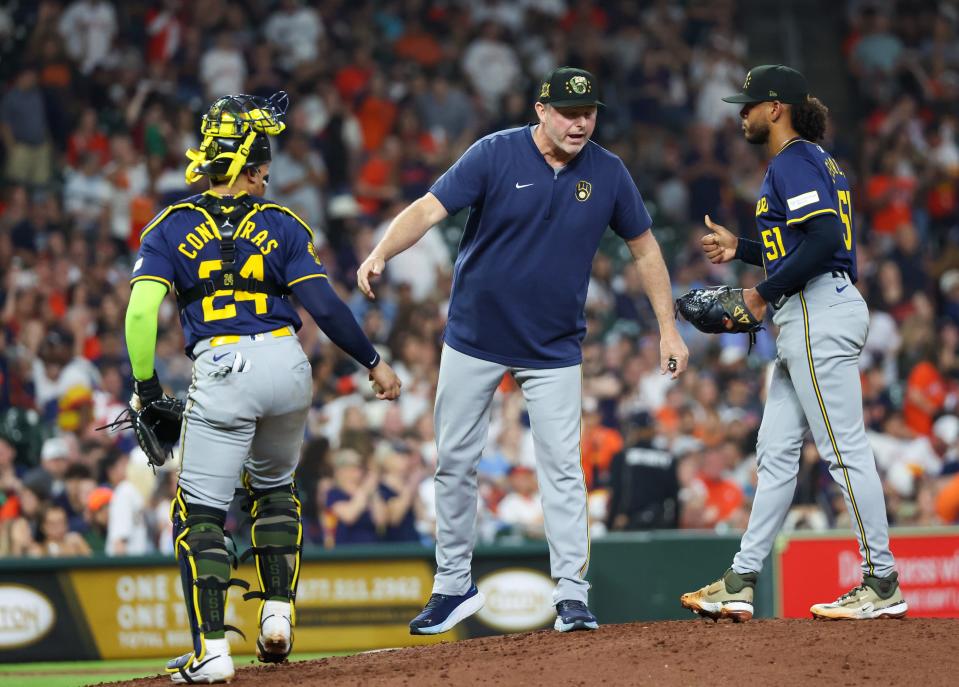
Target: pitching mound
[696, 652]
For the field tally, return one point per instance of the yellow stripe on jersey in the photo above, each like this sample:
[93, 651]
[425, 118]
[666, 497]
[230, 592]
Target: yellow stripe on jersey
[832, 437]
[153, 277]
[309, 276]
[191, 206]
[811, 214]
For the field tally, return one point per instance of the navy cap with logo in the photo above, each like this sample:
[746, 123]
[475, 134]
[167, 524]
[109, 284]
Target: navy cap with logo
[569, 87]
[772, 82]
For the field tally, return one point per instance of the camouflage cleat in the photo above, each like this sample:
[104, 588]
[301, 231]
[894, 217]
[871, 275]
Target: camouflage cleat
[731, 596]
[875, 598]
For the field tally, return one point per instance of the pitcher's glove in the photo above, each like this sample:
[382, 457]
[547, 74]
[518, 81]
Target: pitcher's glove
[155, 419]
[718, 310]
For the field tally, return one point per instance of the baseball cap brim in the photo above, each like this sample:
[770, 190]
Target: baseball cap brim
[741, 98]
[574, 103]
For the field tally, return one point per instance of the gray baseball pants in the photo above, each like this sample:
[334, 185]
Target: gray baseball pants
[554, 401]
[246, 410]
[815, 387]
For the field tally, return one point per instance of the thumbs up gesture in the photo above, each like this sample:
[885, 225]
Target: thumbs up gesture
[719, 244]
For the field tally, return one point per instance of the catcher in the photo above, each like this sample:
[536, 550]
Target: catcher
[232, 261]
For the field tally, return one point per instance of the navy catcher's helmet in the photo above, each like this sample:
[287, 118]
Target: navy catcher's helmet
[236, 132]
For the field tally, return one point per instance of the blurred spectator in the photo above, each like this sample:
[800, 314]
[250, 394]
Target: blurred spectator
[126, 529]
[295, 31]
[57, 368]
[401, 471]
[55, 460]
[164, 28]
[925, 394]
[447, 112]
[222, 68]
[88, 140]
[297, 176]
[522, 509]
[98, 519]
[644, 490]
[56, 540]
[87, 193]
[88, 28]
[78, 485]
[713, 498]
[491, 65]
[876, 54]
[26, 134]
[358, 511]
[599, 444]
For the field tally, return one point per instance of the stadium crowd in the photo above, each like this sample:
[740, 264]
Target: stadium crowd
[102, 99]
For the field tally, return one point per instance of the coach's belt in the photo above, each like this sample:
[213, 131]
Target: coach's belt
[236, 338]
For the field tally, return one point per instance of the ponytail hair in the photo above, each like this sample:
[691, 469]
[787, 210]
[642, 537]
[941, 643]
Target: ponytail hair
[809, 119]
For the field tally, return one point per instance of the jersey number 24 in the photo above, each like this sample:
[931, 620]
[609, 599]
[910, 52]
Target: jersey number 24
[253, 267]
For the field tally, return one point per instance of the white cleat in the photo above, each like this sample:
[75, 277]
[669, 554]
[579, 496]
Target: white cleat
[216, 666]
[276, 632]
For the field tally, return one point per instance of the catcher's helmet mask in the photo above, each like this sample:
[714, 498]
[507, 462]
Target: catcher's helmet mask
[236, 131]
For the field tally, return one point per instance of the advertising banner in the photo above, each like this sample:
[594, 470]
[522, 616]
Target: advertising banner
[134, 612]
[815, 569]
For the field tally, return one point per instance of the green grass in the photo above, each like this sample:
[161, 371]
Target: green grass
[82, 673]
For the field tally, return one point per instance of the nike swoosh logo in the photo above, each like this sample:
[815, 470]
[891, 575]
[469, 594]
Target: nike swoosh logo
[838, 290]
[196, 666]
[222, 355]
[523, 186]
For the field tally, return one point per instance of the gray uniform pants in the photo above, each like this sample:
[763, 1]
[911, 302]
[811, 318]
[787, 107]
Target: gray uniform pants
[815, 386]
[554, 401]
[247, 414]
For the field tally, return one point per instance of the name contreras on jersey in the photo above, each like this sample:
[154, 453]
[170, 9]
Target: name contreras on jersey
[204, 233]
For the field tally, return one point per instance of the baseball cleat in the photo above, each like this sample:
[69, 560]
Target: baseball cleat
[731, 596]
[574, 615]
[443, 611]
[216, 666]
[876, 598]
[275, 641]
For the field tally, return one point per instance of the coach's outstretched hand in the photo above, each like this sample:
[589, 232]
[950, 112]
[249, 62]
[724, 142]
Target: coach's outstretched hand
[386, 385]
[719, 245]
[371, 267]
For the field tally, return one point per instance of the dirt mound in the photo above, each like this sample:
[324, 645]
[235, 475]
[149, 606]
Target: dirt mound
[695, 652]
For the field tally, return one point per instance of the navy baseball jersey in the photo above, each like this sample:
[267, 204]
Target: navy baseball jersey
[180, 247]
[803, 182]
[520, 279]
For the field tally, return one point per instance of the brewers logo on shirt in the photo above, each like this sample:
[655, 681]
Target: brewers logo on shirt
[583, 189]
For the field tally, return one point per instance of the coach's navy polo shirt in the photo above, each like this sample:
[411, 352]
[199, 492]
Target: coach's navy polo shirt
[519, 283]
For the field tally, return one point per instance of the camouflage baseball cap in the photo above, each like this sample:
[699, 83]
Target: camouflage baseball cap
[569, 87]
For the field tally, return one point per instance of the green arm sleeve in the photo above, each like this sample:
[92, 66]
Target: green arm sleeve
[141, 326]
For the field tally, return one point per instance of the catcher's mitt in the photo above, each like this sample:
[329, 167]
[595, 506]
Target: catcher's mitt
[156, 425]
[718, 310]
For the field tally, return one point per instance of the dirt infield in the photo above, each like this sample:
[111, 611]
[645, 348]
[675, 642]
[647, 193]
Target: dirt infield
[919, 652]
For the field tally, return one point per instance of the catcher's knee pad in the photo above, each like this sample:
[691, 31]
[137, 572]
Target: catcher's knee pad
[277, 534]
[205, 564]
